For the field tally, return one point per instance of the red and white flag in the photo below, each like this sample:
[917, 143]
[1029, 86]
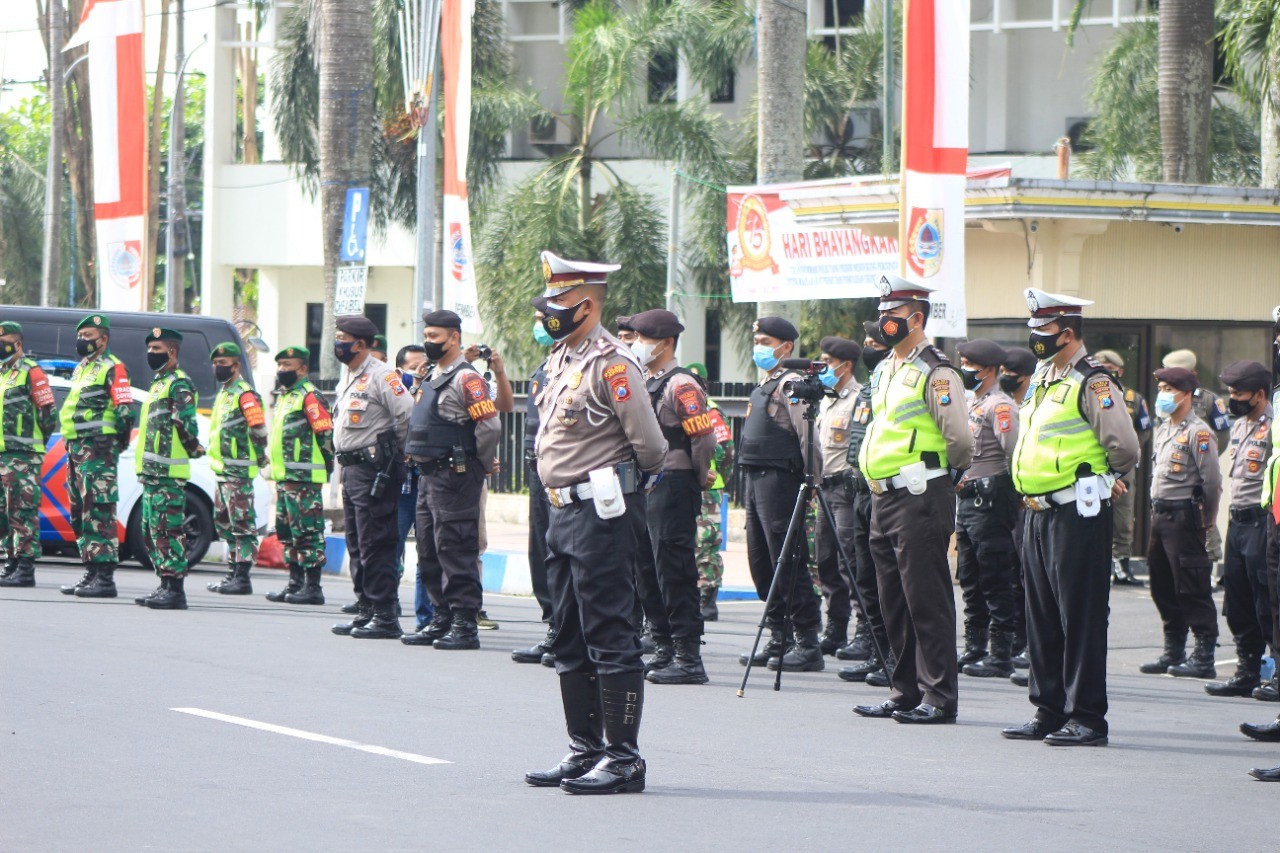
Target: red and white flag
[460, 294]
[935, 150]
[118, 103]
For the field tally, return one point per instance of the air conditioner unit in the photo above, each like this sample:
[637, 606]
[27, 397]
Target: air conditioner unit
[544, 129]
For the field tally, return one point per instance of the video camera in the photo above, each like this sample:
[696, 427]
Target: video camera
[809, 387]
[486, 352]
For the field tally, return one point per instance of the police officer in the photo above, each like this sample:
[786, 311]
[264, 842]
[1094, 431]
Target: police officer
[379, 350]
[1186, 484]
[1122, 506]
[168, 439]
[1209, 408]
[371, 420]
[914, 450]
[97, 423]
[1075, 442]
[1247, 603]
[1015, 378]
[985, 517]
[710, 533]
[26, 421]
[599, 447]
[411, 361]
[773, 461]
[237, 448]
[453, 439]
[300, 450]
[671, 509]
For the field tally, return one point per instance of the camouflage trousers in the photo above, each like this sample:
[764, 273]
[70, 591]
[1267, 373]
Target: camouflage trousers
[710, 537]
[235, 519]
[300, 524]
[164, 506]
[20, 504]
[93, 492]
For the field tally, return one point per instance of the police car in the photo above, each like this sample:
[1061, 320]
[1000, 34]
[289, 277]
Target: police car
[56, 536]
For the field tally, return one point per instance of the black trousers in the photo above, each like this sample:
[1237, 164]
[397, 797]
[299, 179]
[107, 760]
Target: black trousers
[1181, 573]
[448, 531]
[1247, 599]
[539, 518]
[909, 539]
[591, 574]
[649, 601]
[1067, 571]
[864, 567]
[770, 500]
[671, 511]
[1019, 575]
[985, 558]
[1273, 578]
[837, 587]
[373, 532]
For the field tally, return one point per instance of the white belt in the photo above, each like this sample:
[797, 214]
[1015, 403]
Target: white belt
[889, 484]
[562, 497]
[1040, 503]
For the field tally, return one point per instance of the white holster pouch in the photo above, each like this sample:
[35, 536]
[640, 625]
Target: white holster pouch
[1089, 496]
[914, 476]
[606, 492]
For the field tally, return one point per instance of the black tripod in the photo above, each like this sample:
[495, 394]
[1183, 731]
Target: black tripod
[790, 546]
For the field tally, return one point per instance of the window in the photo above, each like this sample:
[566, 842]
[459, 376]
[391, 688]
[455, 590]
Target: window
[724, 93]
[315, 327]
[712, 347]
[663, 68]
[850, 12]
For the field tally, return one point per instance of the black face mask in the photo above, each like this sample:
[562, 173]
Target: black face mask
[287, 378]
[85, 348]
[559, 322]
[157, 360]
[1045, 345]
[1239, 408]
[343, 351]
[7, 349]
[969, 378]
[894, 329]
[872, 357]
[1009, 383]
[435, 350]
[223, 372]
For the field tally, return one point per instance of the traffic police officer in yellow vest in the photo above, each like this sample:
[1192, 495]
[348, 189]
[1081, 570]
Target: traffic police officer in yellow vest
[916, 448]
[26, 418]
[1075, 443]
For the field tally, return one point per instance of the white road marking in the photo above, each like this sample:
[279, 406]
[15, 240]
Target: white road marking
[299, 733]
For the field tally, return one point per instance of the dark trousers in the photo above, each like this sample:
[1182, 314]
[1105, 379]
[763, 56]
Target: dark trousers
[837, 587]
[1067, 571]
[649, 602]
[1181, 573]
[372, 532]
[864, 568]
[539, 517]
[1019, 575]
[671, 513]
[1273, 578]
[909, 539]
[985, 555]
[770, 501]
[1247, 599]
[591, 574]
[448, 527]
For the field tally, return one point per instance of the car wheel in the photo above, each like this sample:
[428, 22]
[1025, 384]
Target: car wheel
[197, 531]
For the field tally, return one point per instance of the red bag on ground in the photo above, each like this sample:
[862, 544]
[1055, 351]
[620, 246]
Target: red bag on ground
[271, 553]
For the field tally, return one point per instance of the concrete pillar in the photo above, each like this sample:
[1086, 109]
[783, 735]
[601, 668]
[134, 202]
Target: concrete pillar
[217, 292]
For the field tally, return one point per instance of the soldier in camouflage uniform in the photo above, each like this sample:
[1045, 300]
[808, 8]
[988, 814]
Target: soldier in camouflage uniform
[167, 442]
[97, 423]
[710, 536]
[26, 418]
[301, 453]
[237, 448]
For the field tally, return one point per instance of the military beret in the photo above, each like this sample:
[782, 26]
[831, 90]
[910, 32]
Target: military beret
[159, 334]
[657, 323]
[225, 351]
[358, 327]
[442, 320]
[1178, 377]
[380, 343]
[623, 323]
[697, 367]
[776, 327]
[872, 330]
[94, 321]
[1109, 356]
[294, 352]
[8, 327]
[982, 351]
[1184, 358]
[1246, 376]
[1019, 360]
[841, 348]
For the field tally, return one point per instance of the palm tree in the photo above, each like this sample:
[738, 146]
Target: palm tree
[1251, 42]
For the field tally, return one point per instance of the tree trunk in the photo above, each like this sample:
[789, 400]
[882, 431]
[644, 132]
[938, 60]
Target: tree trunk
[1186, 88]
[155, 123]
[50, 273]
[344, 54]
[1271, 126]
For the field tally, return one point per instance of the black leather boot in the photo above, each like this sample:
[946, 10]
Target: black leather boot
[860, 671]
[975, 643]
[584, 719]
[534, 653]
[216, 586]
[349, 609]
[103, 584]
[10, 566]
[1269, 692]
[835, 636]
[999, 662]
[1246, 678]
[1200, 663]
[880, 678]
[622, 770]
[805, 655]
[687, 666]
[24, 574]
[1175, 652]
[172, 597]
[310, 592]
[463, 633]
[237, 581]
[1122, 575]
[89, 572]
[862, 647]
[707, 596]
[364, 615]
[772, 648]
[441, 622]
[664, 652]
[163, 587]
[383, 626]
[294, 584]
[648, 645]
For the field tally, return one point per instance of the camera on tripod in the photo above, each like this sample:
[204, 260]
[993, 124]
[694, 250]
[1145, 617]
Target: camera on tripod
[809, 387]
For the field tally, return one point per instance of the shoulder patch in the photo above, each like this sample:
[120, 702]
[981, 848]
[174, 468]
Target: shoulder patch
[1101, 389]
[1004, 417]
[393, 379]
[1202, 440]
[475, 388]
[690, 402]
[615, 370]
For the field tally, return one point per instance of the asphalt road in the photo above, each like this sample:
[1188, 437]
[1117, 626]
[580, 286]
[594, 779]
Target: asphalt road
[93, 756]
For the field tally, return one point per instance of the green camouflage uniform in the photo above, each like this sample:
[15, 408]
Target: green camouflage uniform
[96, 422]
[167, 439]
[301, 451]
[710, 535]
[26, 415]
[237, 446]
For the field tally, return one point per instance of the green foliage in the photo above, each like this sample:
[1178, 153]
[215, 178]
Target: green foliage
[1251, 47]
[24, 146]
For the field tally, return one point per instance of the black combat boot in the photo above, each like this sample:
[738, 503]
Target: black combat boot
[1175, 652]
[441, 622]
[1246, 678]
[1270, 691]
[382, 626]
[463, 634]
[310, 592]
[976, 638]
[216, 586]
[172, 597]
[860, 671]
[1200, 663]
[10, 566]
[1020, 660]
[584, 719]
[999, 661]
[294, 584]
[835, 636]
[664, 652]
[549, 660]
[770, 649]
[349, 609]
[534, 653]
[880, 678]
[237, 581]
[89, 572]
[163, 587]
[805, 654]
[622, 770]
[103, 584]
[648, 644]
[707, 597]
[23, 575]
[1020, 678]
[686, 668]
[862, 646]
[1122, 574]
[364, 615]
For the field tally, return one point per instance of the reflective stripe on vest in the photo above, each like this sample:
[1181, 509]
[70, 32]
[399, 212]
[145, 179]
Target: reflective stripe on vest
[290, 424]
[158, 434]
[87, 409]
[230, 446]
[902, 428]
[1055, 439]
[21, 427]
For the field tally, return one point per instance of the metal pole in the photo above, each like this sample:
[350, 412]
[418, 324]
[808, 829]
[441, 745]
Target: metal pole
[53, 174]
[430, 287]
[886, 95]
[175, 249]
[673, 249]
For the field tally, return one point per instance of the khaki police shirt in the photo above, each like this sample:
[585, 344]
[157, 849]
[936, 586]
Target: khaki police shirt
[464, 399]
[1250, 448]
[594, 412]
[833, 429]
[1209, 408]
[993, 421]
[1102, 404]
[945, 398]
[371, 401]
[684, 406]
[789, 417]
[1186, 457]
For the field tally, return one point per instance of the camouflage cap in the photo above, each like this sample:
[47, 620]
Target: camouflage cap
[8, 327]
[294, 352]
[159, 334]
[94, 321]
[380, 343]
[225, 351]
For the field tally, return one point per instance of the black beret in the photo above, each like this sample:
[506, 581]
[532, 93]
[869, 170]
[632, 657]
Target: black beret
[442, 320]
[776, 327]
[1019, 360]
[1246, 376]
[358, 327]
[1178, 377]
[872, 329]
[841, 348]
[623, 323]
[656, 323]
[983, 352]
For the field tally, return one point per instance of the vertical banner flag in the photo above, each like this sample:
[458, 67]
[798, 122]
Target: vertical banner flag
[935, 150]
[117, 92]
[460, 292]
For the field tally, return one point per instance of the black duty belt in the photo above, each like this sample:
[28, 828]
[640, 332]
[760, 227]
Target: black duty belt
[844, 478]
[360, 456]
[1172, 506]
[1248, 514]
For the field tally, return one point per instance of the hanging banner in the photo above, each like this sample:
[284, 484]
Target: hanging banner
[935, 151]
[460, 293]
[117, 102]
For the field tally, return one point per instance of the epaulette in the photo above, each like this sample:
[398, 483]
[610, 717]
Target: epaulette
[1090, 366]
[933, 357]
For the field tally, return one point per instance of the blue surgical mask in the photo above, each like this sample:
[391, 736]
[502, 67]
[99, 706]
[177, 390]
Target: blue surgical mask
[1166, 402]
[540, 335]
[407, 379]
[764, 357]
[828, 377]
